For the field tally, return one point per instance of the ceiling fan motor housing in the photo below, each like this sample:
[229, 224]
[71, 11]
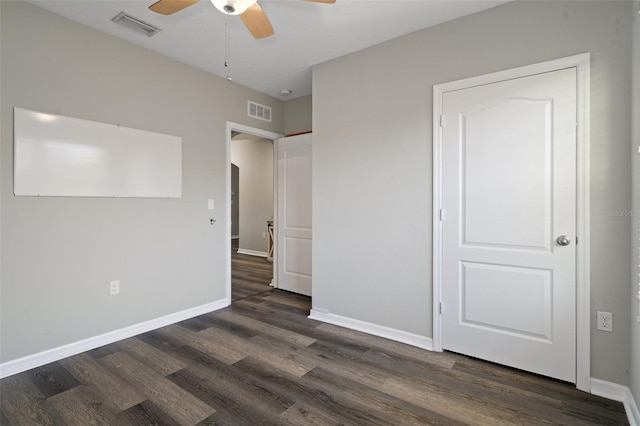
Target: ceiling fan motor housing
[233, 7]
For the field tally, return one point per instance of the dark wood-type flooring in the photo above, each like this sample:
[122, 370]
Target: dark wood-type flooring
[262, 361]
[250, 275]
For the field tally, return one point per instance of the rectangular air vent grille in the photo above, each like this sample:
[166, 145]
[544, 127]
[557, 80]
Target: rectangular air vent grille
[127, 20]
[261, 112]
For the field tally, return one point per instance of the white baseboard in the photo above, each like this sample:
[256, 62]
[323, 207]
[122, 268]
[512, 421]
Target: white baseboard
[253, 252]
[28, 362]
[620, 393]
[374, 329]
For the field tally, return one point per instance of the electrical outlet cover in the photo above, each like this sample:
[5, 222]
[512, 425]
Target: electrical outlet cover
[604, 321]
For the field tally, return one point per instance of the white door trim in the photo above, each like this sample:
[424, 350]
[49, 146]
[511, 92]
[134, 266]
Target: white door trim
[231, 126]
[581, 63]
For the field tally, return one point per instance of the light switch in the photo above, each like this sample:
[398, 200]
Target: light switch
[211, 204]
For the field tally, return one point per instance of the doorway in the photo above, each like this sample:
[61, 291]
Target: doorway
[255, 248]
[504, 290]
[252, 195]
[251, 213]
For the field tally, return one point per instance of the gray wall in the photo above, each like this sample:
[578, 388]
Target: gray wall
[59, 254]
[254, 158]
[635, 250]
[372, 160]
[297, 115]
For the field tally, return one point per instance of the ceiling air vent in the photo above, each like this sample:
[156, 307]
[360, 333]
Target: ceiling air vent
[261, 112]
[135, 23]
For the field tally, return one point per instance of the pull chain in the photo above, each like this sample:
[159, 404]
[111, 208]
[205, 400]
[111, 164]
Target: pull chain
[227, 47]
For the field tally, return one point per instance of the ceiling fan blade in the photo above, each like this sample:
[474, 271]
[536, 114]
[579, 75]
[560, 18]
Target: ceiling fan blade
[169, 7]
[323, 1]
[257, 22]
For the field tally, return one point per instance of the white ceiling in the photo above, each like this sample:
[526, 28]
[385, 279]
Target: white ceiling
[305, 33]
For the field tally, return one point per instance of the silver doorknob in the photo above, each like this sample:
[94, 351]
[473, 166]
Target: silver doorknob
[563, 240]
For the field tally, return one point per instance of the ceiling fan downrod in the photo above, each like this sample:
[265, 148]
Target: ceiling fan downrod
[227, 49]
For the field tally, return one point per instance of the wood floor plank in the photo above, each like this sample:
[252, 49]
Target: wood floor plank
[590, 415]
[388, 346]
[303, 414]
[576, 404]
[287, 358]
[195, 324]
[102, 351]
[21, 401]
[452, 380]
[495, 395]
[230, 391]
[26, 413]
[80, 406]
[267, 304]
[115, 392]
[259, 309]
[287, 298]
[319, 354]
[250, 275]
[217, 348]
[160, 339]
[304, 390]
[233, 327]
[181, 405]
[160, 361]
[262, 327]
[18, 388]
[51, 379]
[251, 282]
[387, 408]
[145, 414]
[456, 405]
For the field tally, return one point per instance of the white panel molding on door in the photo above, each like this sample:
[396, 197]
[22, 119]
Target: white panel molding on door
[293, 225]
[537, 283]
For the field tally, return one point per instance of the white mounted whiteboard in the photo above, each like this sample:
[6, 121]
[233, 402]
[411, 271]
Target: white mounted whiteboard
[56, 155]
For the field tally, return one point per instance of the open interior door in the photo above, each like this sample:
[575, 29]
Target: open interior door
[293, 226]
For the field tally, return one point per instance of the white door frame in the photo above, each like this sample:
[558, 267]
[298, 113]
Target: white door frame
[583, 329]
[231, 126]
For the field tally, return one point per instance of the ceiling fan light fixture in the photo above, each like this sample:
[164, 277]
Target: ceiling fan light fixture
[233, 7]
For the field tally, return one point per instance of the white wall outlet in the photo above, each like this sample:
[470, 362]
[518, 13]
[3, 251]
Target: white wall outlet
[114, 287]
[264, 235]
[604, 320]
[211, 204]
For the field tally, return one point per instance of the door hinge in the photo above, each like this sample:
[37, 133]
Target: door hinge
[441, 120]
[441, 214]
[440, 308]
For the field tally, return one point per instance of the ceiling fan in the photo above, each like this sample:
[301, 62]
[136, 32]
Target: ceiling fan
[250, 12]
